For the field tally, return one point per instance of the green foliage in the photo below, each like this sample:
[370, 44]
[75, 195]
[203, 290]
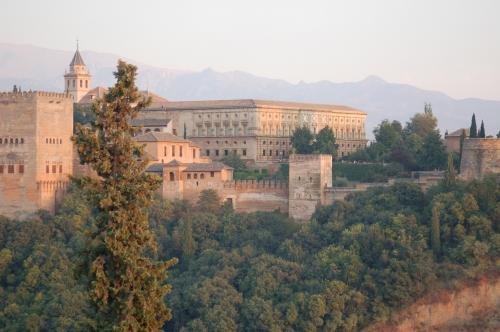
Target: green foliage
[433, 154]
[83, 114]
[416, 147]
[301, 140]
[354, 262]
[450, 175]
[473, 127]
[125, 285]
[325, 142]
[482, 133]
[233, 160]
[498, 134]
[361, 172]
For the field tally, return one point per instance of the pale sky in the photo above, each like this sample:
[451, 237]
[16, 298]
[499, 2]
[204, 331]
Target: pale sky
[448, 45]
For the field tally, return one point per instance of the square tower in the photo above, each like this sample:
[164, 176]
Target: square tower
[35, 150]
[309, 175]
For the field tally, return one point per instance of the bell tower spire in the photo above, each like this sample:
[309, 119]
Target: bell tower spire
[77, 80]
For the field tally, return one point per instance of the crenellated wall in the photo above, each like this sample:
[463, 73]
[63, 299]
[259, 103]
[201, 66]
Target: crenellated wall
[480, 156]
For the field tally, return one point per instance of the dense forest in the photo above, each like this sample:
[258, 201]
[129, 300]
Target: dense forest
[353, 263]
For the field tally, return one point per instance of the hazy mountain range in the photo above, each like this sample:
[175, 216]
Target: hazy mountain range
[39, 68]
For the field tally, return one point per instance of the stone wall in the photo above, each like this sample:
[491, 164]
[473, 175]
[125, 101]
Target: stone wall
[253, 195]
[35, 151]
[309, 177]
[480, 156]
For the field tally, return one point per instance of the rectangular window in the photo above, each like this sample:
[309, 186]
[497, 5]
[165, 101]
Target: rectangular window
[194, 153]
[217, 153]
[173, 150]
[1, 169]
[60, 168]
[189, 176]
[165, 150]
[10, 169]
[226, 152]
[21, 169]
[47, 170]
[207, 152]
[244, 152]
[212, 174]
[180, 151]
[263, 152]
[54, 169]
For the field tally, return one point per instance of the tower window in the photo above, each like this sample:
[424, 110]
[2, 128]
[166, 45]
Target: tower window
[1, 169]
[86, 84]
[10, 169]
[172, 177]
[81, 83]
[54, 169]
[21, 169]
[74, 83]
[180, 151]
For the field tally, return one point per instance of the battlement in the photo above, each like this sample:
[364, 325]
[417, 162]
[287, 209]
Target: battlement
[306, 157]
[13, 96]
[482, 143]
[256, 184]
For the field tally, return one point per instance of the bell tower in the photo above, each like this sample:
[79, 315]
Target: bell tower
[77, 80]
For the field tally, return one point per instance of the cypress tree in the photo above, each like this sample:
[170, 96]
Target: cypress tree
[482, 133]
[435, 229]
[450, 176]
[185, 132]
[126, 286]
[462, 139]
[473, 127]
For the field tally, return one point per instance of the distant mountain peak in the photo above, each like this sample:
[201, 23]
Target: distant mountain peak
[374, 79]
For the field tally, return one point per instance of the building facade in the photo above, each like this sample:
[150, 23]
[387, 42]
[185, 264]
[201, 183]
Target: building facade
[258, 130]
[480, 157]
[35, 150]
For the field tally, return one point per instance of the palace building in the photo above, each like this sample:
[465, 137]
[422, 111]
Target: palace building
[258, 130]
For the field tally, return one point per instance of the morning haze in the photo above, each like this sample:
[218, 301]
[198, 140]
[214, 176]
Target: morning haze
[450, 46]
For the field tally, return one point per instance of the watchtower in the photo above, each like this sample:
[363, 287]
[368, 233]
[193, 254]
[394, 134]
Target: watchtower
[309, 175]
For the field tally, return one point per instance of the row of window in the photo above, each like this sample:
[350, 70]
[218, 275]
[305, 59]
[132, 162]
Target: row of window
[11, 169]
[219, 131]
[11, 140]
[190, 176]
[225, 152]
[53, 140]
[324, 118]
[54, 168]
[81, 84]
[173, 151]
[217, 116]
[278, 153]
[227, 142]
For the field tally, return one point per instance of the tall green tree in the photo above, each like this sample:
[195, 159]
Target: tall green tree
[473, 127]
[432, 155]
[436, 229]
[422, 124]
[302, 140]
[325, 142]
[482, 132]
[126, 286]
[450, 177]
[185, 132]
[388, 133]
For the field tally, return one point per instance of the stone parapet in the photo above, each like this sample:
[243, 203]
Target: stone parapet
[480, 156]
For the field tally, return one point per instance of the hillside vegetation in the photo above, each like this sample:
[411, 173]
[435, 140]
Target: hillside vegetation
[353, 263]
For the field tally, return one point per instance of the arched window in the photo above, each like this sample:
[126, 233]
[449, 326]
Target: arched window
[16, 141]
[202, 176]
[22, 141]
[172, 176]
[81, 83]
[86, 84]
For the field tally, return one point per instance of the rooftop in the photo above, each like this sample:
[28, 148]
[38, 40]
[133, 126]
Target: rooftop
[154, 136]
[150, 122]
[215, 166]
[251, 103]
[77, 59]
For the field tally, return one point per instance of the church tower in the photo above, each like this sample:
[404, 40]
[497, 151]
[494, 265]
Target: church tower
[77, 80]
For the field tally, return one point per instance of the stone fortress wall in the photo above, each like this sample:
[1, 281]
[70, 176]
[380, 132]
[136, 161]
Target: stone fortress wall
[480, 156]
[35, 150]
